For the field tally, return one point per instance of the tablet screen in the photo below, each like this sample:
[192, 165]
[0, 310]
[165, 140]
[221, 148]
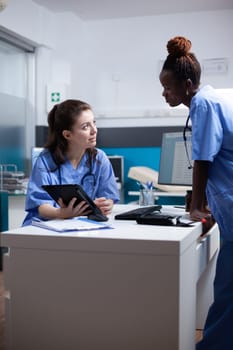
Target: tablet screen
[67, 192]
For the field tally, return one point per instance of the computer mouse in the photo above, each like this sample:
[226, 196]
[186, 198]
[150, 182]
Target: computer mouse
[98, 217]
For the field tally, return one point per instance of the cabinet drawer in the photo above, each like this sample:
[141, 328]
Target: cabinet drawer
[206, 248]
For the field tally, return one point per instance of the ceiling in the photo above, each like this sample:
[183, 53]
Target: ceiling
[109, 9]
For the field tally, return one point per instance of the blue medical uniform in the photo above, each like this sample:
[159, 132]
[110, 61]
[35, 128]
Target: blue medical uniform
[212, 140]
[99, 181]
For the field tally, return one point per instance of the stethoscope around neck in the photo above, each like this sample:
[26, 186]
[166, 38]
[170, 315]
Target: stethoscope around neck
[89, 175]
[187, 128]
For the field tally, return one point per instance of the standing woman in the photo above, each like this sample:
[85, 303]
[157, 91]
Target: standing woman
[212, 152]
[70, 157]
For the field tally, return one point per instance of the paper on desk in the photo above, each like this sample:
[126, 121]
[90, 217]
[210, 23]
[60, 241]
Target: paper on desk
[66, 225]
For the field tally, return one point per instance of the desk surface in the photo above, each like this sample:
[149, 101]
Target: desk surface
[162, 239]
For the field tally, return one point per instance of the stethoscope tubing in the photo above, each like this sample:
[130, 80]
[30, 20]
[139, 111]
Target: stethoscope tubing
[187, 127]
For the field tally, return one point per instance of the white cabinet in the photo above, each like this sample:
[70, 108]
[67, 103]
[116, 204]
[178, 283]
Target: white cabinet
[16, 210]
[132, 287]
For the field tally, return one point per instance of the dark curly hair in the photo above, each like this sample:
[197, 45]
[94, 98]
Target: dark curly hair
[183, 63]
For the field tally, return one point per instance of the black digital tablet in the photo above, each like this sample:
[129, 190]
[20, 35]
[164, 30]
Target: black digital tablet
[69, 191]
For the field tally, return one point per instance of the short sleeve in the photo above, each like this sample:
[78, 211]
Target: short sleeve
[36, 195]
[107, 186]
[207, 132]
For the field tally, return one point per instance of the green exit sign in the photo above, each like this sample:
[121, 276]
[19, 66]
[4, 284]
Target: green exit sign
[55, 97]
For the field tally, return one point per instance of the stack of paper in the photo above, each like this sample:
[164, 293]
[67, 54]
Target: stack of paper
[75, 224]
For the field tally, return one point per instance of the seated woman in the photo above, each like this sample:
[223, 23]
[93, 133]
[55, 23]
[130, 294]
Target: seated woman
[70, 157]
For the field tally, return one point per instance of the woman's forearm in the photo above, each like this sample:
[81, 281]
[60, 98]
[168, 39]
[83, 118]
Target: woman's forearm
[64, 211]
[49, 212]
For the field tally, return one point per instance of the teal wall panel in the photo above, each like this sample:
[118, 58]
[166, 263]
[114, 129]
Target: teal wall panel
[135, 156]
[13, 155]
[3, 211]
[140, 156]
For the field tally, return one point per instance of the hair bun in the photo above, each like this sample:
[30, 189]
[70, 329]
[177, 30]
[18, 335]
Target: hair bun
[179, 46]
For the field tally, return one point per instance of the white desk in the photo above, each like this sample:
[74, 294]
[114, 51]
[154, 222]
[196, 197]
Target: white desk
[132, 287]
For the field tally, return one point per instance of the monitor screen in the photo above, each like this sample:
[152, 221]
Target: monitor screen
[175, 161]
[118, 167]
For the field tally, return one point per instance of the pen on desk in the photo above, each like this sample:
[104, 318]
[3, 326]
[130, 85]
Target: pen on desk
[149, 185]
[179, 206]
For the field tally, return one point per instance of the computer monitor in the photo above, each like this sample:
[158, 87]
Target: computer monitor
[118, 167]
[175, 160]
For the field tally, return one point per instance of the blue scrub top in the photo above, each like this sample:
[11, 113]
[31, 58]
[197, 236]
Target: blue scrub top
[99, 183]
[212, 140]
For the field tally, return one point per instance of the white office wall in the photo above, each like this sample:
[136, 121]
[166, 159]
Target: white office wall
[28, 20]
[114, 64]
[126, 55]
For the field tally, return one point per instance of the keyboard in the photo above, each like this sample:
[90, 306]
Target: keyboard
[136, 213]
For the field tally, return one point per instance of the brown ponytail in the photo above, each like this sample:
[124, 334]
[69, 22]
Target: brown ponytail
[63, 117]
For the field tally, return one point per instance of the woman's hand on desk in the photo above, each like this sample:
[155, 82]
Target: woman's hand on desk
[205, 217]
[105, 205]
[198, 215]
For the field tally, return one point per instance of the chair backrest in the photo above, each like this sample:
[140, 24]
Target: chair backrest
[3, 211]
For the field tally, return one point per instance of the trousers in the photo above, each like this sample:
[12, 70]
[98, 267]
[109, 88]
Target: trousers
[218, 330]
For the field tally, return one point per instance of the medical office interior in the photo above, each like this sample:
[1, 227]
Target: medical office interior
[110, 55]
